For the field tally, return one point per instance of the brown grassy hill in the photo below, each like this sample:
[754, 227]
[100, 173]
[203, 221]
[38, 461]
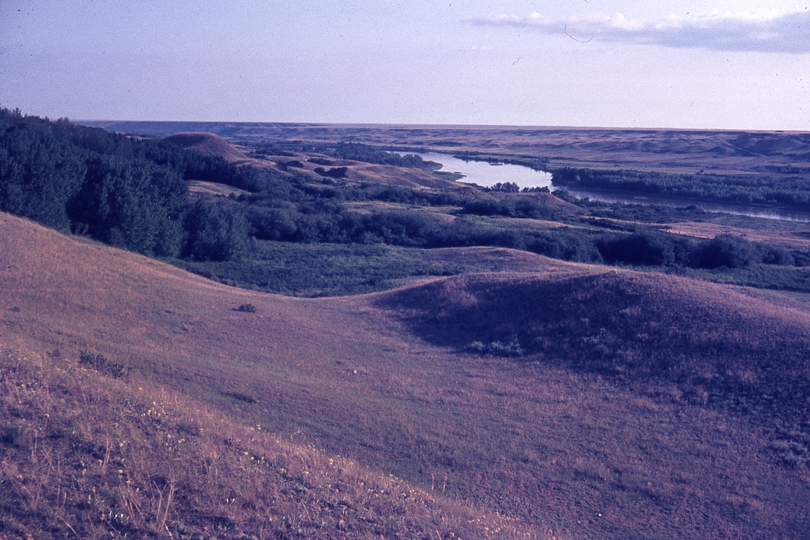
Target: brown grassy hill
[554, 444]
[151, 434]
[86, 455]
[715, 344]
[208, 144]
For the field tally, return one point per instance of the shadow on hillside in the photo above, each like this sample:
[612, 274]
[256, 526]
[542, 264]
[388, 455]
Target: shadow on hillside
[706, 343]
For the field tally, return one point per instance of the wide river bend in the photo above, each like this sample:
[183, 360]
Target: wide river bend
[487, 174]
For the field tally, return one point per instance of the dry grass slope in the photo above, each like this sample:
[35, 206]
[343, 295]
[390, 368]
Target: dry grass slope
[571, 436]
[87, 456]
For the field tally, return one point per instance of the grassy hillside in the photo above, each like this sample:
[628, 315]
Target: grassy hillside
[89, 456]
[703, 342]
[642, 444]
[97, 448]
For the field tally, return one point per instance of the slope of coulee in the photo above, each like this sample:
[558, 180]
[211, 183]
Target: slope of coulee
[634, 410]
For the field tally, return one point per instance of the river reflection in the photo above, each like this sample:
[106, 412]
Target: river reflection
[486, 174]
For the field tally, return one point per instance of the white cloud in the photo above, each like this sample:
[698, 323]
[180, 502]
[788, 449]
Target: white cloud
[763, 30]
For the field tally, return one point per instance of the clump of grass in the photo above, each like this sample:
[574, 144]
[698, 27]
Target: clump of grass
[99, 363]
[793, 447]
[13, 433]
[239, 396]
[247, 308]
[511, 347]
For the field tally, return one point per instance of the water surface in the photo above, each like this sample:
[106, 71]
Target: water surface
[487, 174]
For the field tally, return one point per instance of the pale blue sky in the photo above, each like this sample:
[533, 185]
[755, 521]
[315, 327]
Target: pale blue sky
[625, 63]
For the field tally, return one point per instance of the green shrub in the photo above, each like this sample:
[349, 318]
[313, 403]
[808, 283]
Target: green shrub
[101, 364]
[726, 250]
[638, 248]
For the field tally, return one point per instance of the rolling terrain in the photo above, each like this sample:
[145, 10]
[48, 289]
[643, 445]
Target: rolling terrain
[547, 399]
[312, 166]
[713, 151]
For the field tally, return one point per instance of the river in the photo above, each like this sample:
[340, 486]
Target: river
[486, 174]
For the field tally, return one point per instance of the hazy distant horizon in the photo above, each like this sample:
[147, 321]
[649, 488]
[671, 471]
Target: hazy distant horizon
[676, 64]
[99, 122]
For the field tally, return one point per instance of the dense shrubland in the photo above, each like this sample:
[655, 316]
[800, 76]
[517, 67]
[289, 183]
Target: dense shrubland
[657, 249]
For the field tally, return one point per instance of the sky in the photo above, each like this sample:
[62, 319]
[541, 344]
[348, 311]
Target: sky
[696, 64]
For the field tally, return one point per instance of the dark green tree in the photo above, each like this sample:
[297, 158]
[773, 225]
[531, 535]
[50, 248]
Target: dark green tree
[39, 173]
[214, 233]
[131, 204]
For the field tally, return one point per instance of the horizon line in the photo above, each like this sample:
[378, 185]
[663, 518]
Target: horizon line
[467, 126]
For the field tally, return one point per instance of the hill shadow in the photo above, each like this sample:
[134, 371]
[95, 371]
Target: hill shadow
[715, 345]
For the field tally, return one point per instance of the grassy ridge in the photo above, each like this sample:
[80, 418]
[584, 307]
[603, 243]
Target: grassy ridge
[714, 345]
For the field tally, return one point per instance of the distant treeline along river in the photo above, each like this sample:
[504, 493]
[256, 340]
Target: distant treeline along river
[486, 174]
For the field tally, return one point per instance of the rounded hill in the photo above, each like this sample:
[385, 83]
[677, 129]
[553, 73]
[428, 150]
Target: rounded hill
[717, 345]
[208, 144]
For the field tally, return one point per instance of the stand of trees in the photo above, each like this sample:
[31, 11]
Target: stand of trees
[125, 192]
[657, 249]
[352, 151]
[753, 189]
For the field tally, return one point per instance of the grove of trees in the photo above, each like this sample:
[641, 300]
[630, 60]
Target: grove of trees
[126, 192]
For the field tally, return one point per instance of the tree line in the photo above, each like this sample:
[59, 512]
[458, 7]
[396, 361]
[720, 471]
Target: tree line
[348, 150]
[791, 190]
[126, 192]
